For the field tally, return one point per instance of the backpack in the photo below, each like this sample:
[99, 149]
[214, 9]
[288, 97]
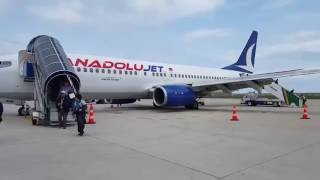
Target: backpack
[80, 106]
[66, 101]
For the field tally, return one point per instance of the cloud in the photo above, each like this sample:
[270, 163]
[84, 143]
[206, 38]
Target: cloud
[115, 12]
[207, 33]
[281, 3]
[64, 11]
[5, 5]
[293, 44]
[302, 16]
[172, 9]
[10, 47]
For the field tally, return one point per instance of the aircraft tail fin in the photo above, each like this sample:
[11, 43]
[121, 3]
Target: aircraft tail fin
[245, 63]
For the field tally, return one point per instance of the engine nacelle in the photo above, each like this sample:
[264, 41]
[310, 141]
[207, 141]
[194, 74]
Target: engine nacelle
[174, 95]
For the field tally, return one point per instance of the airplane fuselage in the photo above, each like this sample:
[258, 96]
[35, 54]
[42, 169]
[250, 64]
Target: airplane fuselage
[112, 78]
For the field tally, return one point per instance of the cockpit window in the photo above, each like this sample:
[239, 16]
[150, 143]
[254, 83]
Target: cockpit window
[4, 64]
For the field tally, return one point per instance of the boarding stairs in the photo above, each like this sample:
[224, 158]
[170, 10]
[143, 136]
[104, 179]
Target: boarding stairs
[287, 97]
[45, 64]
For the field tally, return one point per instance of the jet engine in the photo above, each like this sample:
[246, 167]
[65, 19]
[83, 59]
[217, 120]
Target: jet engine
[175, 95]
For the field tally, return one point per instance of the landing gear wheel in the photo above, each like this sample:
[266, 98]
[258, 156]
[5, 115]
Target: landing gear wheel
[21, 111]
[34, 122]
[195, 105]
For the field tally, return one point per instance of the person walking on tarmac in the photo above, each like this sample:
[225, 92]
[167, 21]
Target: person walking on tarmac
[304, 99]
[1, 111]
[64, 104]
[80, 109]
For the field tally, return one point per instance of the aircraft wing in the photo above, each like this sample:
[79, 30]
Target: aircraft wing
[257, 80]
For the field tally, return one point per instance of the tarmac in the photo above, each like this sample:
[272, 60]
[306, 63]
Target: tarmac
[139, 142]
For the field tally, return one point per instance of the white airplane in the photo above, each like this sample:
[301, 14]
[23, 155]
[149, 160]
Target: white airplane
[124, 81]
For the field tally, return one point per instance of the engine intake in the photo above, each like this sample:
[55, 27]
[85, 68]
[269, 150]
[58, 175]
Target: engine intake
[174, 95]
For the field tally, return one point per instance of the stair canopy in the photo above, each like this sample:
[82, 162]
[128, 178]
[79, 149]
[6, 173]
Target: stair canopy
[52, 65]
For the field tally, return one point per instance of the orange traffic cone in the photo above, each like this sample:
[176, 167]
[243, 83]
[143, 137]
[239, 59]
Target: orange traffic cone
[305, 112]
[91, 115]
[234, 116]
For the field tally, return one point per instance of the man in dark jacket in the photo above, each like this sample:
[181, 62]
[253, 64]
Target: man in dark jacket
[80, 109]
[64, 104]
[1, 111]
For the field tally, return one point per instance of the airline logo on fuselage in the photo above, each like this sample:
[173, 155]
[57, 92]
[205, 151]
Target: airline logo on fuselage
[116, 65]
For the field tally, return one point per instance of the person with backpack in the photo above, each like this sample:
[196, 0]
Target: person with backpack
[64, 103]
[80, 110]
[304, 100]
[1, 111]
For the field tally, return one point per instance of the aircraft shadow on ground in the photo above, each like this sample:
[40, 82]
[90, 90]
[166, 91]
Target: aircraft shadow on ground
[206, 108]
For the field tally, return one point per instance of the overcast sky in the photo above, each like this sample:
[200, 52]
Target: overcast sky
[209, 33]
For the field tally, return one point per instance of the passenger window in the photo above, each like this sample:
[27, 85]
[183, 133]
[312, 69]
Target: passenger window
[135, 73]
[126, 72]
[91, 70]
[171, 75]
[103, 70]
[97, 70]
[109, 71]
[157, 74]
[78, 69]
[179, 75]
[120, 72]
[164, 74]
[114, 71]
[160, 74]
[175, 75]
[145, 73]
[85, 70]
[130, 72]
[153, 74]
[182, 75]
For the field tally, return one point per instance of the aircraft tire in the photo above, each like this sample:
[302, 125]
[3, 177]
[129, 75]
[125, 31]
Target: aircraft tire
[195, 105]
[20, 111]
[34, 122]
